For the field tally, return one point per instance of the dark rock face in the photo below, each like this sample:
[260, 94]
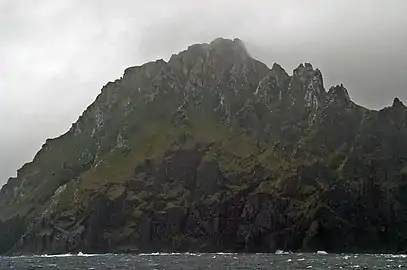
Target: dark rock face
[214, 151]
[10, 232]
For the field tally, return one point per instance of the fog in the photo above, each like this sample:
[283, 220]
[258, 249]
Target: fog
[56, 55]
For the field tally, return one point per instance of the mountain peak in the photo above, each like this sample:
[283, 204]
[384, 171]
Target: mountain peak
[305, 72]
[236, 46]
[308, 84]
[278, 72]
[397, 103]
[338, 95]
[221, 52]
[220, 41]
[219, 44]
[303, 69]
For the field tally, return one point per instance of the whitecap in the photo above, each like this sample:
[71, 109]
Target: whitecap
[281, 252]
[403, 256]
[55, 255]
[81, 254]
[172, 254]
[155, 254]
[225, 253]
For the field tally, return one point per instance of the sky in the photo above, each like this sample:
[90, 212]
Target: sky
[55, 56]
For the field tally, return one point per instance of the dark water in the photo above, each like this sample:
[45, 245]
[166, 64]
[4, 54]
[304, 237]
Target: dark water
[207, 261]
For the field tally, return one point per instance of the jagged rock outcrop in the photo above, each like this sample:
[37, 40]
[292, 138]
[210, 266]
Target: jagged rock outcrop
[397, 103]
[214, 151]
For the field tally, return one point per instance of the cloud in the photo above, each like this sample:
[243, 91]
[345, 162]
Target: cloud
[56, 55]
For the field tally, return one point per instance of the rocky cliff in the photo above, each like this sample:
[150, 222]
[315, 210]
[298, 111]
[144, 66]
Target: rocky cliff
[215, 151]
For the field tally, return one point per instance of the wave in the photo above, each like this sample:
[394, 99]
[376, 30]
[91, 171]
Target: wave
[278, 252]
[184, 254]
[79, 254]
[282, 252]
[403, 256]
[170, 254]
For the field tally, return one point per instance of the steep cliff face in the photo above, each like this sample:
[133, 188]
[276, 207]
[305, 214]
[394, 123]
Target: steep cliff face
[214, 151]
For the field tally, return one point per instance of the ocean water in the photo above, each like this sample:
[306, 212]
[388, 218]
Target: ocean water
[185, 261]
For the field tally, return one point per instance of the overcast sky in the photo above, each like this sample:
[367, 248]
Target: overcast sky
[55, 55]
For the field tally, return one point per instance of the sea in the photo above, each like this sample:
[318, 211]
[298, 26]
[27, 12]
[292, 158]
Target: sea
[185, 261]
